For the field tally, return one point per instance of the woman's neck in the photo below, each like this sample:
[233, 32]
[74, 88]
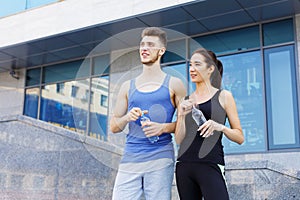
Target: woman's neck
[203, 92]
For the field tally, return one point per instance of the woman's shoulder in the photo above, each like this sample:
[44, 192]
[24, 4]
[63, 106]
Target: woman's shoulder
[225, 98]
[225, 93]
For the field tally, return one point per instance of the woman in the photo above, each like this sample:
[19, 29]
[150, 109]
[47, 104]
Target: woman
[200, 166]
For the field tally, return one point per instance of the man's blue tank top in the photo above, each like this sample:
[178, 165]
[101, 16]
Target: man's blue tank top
[160, 109]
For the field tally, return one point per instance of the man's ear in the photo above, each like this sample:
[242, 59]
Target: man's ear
[162, 51]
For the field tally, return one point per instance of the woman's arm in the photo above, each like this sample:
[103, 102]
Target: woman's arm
[234, 133]
[184, 108]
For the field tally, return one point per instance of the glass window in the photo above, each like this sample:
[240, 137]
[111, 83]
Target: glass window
[229, 41]
[281, 97]
[60, 88]
[31, 102]
[66, 71]
[242, 76]
[176, 51]
[99, 108]
[92, 97]
[74, 91]
[101, 65]
[278, 32]
[85, 97]
[64, 110]
[179, 71]
[104, 101]
[33, 77]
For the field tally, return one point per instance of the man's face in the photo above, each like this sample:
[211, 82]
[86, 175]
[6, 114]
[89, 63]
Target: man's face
[151, 49]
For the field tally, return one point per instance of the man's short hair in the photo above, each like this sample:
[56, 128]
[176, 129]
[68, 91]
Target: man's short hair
[155, 31]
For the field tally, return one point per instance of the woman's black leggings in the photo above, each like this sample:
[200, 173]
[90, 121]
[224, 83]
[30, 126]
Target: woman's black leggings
[197, 180]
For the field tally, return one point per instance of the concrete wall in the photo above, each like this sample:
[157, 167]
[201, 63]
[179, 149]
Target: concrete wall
[11, 93]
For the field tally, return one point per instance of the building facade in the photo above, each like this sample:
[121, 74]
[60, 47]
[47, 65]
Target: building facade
[62, 63]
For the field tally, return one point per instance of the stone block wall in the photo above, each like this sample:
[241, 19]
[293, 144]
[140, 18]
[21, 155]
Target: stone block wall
[272, 176]
[43, 162]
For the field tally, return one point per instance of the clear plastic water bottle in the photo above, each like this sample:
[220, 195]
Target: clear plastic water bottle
[144, 119]
[198, 116]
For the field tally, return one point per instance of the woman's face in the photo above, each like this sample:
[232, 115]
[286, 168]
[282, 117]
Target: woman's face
[199, 70]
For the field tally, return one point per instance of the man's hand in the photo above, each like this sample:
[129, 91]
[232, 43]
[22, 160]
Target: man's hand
[134, 114]
[153, 128]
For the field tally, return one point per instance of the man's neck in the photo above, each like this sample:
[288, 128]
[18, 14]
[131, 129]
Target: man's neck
[153, 70]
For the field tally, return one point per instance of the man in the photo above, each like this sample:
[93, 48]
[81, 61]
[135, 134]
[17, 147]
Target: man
[147, 167]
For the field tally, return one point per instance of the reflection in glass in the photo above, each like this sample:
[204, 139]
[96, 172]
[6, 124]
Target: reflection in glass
[33, 77]
[66, 71]
[176, 51]
[243, 77]
[31, 102]
[101, 65]
[229, 41]
[278, 32]
[177, 70]
[62, 108]
[99, 108]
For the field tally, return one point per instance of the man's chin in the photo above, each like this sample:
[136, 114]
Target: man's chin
[146, 62]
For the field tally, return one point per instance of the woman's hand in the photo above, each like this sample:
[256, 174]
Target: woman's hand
[185, 107]
[207, 129]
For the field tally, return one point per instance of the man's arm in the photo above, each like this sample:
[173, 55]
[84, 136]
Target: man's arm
[178, 92]
[119, 117]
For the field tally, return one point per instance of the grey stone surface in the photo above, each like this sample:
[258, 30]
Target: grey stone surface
[261, 184]
[40, 161]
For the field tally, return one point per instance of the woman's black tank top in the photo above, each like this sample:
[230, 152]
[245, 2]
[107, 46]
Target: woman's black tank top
[195, 148]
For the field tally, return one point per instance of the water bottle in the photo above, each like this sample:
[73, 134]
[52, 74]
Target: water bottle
[144, 119]
[198, 116]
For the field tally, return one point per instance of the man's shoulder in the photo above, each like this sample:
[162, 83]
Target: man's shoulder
[125, 85]
[177, 86]
[174, 81]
